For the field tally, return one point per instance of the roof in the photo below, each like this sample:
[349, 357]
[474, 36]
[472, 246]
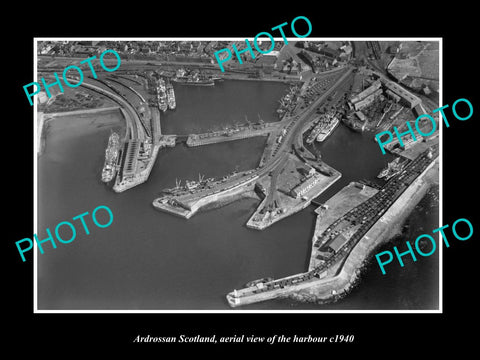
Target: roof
[338, 242]
[397, 89]
[329, 52]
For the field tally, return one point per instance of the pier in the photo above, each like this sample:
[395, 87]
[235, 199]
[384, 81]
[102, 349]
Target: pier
[231, 134]
[289, 177]
[143, 137]
[188, 204]
[281, 136]
[344, 245]
[270, 211]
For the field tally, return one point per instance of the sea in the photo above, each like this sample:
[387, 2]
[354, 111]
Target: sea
[150, 260]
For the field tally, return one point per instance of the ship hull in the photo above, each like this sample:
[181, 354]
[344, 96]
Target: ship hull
[111, 154]
[322, 136]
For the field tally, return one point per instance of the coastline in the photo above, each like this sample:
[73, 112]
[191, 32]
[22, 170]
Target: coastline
[76, 119]
[41, 134]
[92, 125]
[385, 230]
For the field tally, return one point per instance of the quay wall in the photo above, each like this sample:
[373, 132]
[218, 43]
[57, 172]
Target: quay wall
[139, 178]
[311, 195]
[40, 133]
[191, 142]
[243, 190]
[224, 195]
[333, 288]
[381, 232]
[172, 210]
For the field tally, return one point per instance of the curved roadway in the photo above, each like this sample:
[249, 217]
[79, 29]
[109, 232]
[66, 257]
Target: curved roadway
[281, 150]
[133, 122]
[295, 134]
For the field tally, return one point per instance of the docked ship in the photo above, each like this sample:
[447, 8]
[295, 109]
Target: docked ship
[171, 96]
[327, 128]
[392, 169]
[185, 78]
[353, 125]
[190, 186]
[313, 134]
[111, 153]
[259, 282]
[324, 126]
[162, 95]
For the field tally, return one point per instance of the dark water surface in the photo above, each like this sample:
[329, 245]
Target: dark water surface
[206, 108]
[152, 260]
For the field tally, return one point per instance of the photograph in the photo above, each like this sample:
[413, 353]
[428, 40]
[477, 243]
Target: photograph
[273, 178]
[217, 180]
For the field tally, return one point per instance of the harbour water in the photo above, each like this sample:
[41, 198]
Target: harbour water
[151, 260]
[206, 108]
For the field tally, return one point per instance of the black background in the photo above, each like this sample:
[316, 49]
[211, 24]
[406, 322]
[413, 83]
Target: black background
[375, 334]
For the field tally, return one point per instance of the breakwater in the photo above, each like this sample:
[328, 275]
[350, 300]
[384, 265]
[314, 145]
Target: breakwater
[381, 232]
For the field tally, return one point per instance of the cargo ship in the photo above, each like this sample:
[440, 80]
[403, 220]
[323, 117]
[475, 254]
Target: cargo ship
[288, 101]
[392, 169]
[186, 78]
[190, 186]
[111, 153]
[171, 96]
[162, 95]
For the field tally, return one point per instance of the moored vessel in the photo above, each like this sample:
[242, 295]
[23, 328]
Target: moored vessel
[171, 97]
[111, 153]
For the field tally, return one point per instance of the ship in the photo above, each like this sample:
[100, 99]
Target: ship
[324, 126]
[352, 124]
[392, 169]
[111, 153]
[259, 282]
[162, 95]
[186, 78]
[194, 80]
[313, 134]
[171, 97]
[190, 186]
[327, 129]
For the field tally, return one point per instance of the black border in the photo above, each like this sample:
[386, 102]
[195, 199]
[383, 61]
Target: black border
[398, 332]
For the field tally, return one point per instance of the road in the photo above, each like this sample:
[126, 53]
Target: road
[275, 162]
[133, 121]
[279, 157]
[297, 128]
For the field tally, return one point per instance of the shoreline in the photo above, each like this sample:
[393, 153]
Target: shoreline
[80, 112]
[41, 133]
[85, 120]
[387, 228]
[78, 123]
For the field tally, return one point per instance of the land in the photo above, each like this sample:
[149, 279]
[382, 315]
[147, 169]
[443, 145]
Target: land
[347, 82]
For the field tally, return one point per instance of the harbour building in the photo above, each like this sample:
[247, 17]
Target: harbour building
[407, 97]
[303, 187]
[131, 155]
